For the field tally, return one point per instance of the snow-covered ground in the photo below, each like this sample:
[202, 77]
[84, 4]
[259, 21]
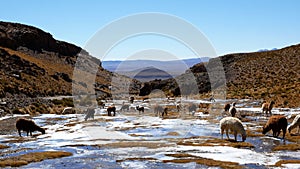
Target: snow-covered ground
[104, 140]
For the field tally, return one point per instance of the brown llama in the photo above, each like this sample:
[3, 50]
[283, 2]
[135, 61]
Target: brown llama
[111, 109]
[204, 107]
[227, 107]
[276, 123]
[28, 125]
[231, 109]
[140, 109]
[165, 111]
[267, 107]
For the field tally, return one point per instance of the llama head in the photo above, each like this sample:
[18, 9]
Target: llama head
[42, 130]
[244, 137]
[265, 129]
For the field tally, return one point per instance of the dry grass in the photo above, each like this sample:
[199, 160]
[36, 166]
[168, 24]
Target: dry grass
[293, 138]
[32, 157]
[187, 158]
[279, 163]
[140, 135]
[254, 133]
[288, 147]
[173, 134]
[217, 142]
[3, 146]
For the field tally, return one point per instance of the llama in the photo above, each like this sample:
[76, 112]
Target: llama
[178, 107]
[276, 123]
[232, 110]
[124, 107]
[90, 113]
[267, 107]
[131, 99]
[212, 99]
[28, 125]
[192, 108]
[204, 107]
[233, 124]
[158, 110]
[140, 109]
[68, 110]
[111, 109]
[295, 123]
[165, 111]
[227, 107]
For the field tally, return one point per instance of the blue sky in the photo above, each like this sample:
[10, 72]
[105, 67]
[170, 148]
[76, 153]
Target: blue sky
[231, 26]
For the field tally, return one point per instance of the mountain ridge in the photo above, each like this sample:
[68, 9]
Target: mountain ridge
[269, 75]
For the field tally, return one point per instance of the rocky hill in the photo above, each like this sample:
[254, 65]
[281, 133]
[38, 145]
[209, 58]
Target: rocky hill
[268, 75]
[33, 64]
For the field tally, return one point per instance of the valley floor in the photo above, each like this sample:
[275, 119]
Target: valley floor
[133, 140]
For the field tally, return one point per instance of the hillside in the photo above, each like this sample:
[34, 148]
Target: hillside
[269, 75]
[33, 64]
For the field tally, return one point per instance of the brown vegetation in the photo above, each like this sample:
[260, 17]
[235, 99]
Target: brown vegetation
[287, 147]
[3, 146]
[279, 163]
[214, 142]
[187, 158]
[32, 157]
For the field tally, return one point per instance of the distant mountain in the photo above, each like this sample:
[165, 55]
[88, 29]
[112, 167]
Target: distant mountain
[266, 50]
[173, 67]
[148, 74]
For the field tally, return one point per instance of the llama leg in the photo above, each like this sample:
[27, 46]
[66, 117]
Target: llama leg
[20, 133]
[222, 132]
[235, 135]
[274, 133]
[227, 133]
[283, 131]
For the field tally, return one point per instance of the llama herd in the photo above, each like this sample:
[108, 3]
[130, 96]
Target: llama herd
[276, 123]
